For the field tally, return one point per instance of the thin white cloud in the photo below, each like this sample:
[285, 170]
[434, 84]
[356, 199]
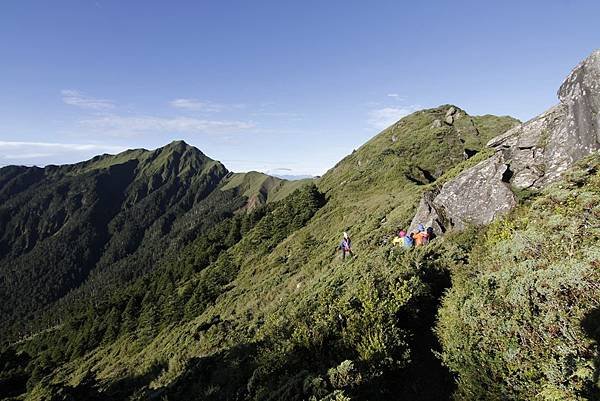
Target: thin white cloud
[269, 109]
[290, 116]
[26, 156]
[130, 126]
[384, 117]
[11, 145]
[396, 97]
[78, 99]
[196, 105]
[273, 167]
[288, 173]
[42, 153]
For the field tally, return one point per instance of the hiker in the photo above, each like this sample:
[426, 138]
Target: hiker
[346, 246]
[430, 234]
[421, 237]
[399, 240]
[409, 240]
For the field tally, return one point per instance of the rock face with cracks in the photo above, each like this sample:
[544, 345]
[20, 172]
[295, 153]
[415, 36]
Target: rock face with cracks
[529, 156]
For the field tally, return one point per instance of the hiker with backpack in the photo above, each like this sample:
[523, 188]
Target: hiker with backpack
[399, 239]
[404, 239]
[431, 235]
[346, 246]
[417, 238]
[409, 240]
[421, 237]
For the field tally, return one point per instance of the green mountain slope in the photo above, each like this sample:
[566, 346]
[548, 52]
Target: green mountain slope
[420, 149]
[261, 306]
[275, 313]
[70, 235]
[261, 188]
[525, 309]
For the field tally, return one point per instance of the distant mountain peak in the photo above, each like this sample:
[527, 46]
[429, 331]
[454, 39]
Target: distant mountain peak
[179, 144]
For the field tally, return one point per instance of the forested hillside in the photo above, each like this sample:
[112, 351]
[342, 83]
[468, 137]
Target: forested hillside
[70, 235]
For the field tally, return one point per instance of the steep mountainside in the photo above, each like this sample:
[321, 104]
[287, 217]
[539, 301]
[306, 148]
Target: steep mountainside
[522, 319]
[70, 234]
[260, 305]
[267, 314]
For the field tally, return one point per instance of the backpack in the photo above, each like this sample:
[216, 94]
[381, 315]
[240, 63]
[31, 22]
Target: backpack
[408, 241]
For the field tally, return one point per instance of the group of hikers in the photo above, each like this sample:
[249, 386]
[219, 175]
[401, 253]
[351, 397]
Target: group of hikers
[416, 238]
[422, 236]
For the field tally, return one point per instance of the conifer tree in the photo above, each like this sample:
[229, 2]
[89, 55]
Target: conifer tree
[148, 321]
[130, 316]
[113, 323]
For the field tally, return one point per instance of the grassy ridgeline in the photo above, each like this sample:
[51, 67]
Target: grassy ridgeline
[278, 315]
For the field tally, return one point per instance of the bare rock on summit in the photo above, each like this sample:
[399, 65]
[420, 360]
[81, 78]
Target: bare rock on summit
[525, 149]
[449, 118]
[531, 155]
[544, 147]
[580, 132]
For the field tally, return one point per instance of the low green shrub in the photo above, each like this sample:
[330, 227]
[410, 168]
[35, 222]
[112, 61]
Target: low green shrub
[513, 324]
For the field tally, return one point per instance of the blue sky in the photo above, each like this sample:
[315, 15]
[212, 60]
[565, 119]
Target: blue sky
[286, 87]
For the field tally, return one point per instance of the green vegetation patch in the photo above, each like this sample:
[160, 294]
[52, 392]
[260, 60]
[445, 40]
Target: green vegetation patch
[521, 319]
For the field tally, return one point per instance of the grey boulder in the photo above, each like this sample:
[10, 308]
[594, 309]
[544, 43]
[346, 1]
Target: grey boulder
[475, 197]
[529, 156]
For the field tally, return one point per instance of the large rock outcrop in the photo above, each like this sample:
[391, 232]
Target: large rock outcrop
[529, 156]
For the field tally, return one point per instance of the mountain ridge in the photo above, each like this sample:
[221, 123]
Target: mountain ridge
[154, 185]
[260, 305]
[248, 278]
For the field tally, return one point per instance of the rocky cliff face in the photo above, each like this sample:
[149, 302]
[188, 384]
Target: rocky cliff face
[529, 156]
